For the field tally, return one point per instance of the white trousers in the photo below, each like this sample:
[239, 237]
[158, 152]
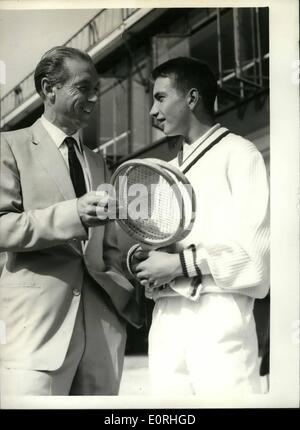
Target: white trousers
[208, 347]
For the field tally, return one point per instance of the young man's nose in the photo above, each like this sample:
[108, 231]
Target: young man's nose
[153, 111]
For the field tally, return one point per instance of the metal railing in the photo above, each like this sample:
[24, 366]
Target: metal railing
[111, 149]
[96, 30]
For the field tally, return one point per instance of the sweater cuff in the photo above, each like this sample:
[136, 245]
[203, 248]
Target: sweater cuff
[196, 261]
[189, 262]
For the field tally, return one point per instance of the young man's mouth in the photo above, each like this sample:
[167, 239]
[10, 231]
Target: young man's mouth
[161, 122]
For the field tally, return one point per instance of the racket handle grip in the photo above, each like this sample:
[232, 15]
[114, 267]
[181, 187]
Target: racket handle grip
[135, 255]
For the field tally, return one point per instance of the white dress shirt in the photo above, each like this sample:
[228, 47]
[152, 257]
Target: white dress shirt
[58, 136]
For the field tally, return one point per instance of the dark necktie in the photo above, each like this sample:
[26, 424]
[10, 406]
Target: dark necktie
[180, 155]
[76, 171]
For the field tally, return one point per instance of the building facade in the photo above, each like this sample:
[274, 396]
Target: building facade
[126, 44]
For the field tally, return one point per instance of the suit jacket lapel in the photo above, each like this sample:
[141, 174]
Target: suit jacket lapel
[97, 177]
[52, 160]
[95, 168]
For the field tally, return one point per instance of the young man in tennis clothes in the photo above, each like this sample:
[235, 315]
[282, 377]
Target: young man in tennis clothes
[203, 337]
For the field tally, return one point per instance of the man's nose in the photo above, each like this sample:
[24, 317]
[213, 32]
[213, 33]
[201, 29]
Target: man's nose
[93, 97]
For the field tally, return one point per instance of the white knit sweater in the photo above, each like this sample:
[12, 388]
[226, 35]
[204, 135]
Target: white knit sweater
[231, 230]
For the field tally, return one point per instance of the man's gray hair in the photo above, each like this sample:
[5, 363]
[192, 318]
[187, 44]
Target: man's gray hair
[52, 66]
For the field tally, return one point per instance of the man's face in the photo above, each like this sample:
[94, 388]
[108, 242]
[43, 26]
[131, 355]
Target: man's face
[75, 99]
[170, 107]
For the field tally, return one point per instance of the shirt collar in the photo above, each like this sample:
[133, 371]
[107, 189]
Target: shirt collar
[203, 137]
[57, 135]
[189, 148]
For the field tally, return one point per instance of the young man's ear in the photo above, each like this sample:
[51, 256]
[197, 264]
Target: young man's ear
[48, 90]
[193, 98]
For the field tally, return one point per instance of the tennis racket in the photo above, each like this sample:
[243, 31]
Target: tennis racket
[168, 200]
[167, 194]
[158, 202]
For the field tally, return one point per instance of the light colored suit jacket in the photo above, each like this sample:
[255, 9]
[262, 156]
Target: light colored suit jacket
[41, 232]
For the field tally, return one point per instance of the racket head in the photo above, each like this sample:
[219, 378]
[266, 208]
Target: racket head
[187, 193]
[160, 187]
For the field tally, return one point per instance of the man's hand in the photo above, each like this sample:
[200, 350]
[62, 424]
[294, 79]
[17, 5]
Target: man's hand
[158, 269]
[93, 208]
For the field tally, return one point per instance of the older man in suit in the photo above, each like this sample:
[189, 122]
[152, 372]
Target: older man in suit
[63, 298]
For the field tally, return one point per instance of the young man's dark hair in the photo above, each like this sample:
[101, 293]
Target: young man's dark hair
[190, 73]
[51, 66]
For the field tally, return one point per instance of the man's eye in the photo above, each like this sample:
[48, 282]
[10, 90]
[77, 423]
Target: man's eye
[87, 89]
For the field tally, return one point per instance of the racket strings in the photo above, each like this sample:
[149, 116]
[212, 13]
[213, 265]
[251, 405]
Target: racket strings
[161, 212]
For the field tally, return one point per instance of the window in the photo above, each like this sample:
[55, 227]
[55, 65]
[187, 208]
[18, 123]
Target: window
[114, 130]
[140, 107]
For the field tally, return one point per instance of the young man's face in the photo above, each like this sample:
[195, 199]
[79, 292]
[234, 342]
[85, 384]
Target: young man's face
[170, 107]
[75, 99]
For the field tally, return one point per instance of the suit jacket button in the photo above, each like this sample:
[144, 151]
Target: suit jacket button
[76, 292]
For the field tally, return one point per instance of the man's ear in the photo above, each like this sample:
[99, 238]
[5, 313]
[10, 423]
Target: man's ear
[48, 90]
[193, 98]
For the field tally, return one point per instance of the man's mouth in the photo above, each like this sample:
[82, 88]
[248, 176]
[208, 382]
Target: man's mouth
[88, 109]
